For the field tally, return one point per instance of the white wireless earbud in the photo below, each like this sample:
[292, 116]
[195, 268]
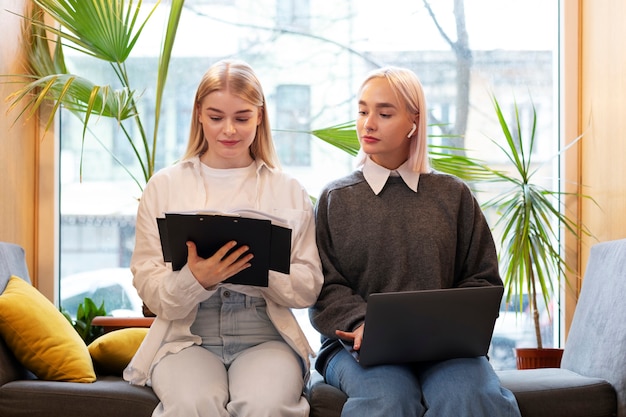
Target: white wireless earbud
[412, 131]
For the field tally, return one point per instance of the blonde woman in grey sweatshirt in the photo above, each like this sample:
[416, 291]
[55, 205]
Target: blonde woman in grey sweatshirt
[396, 225]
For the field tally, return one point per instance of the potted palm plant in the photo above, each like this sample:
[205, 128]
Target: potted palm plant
[530, 220]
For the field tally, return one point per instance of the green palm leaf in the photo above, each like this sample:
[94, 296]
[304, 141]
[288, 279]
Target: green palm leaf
[105, 29]
[75, 93]
[164, 63]
[454, 161]
[342, 136]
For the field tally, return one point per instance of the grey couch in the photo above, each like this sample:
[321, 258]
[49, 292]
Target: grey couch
[591, 381]
[22, 395]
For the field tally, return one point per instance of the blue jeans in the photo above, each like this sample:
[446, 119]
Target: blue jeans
[453, 388]
[230, 322]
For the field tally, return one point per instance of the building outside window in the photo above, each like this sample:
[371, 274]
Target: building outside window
[311, 57]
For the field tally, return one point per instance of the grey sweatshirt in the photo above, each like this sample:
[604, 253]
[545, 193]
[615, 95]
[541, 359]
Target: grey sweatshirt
[398, 240]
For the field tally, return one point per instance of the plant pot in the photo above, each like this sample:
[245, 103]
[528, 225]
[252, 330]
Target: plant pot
[533, 358]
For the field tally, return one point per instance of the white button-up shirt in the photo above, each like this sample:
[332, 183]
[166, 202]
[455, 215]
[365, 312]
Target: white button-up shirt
[174, 296]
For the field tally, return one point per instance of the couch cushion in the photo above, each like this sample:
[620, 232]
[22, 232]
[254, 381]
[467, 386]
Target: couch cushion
[547, 392]
[557, 392]
[108, 396]
[325, 400]
[112, 352]
[40, 337]
[10, 368]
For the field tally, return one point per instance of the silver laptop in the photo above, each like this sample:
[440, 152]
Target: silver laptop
[431, 325]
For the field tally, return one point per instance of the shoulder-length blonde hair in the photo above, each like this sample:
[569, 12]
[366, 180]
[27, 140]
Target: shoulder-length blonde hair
[408, 88]
[239, 79]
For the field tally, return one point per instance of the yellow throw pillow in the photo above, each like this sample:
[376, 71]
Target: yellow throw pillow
[40, 336]
[112, 352]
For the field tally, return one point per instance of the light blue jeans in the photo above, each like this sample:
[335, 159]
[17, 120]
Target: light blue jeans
[243, 367]
[453, 388]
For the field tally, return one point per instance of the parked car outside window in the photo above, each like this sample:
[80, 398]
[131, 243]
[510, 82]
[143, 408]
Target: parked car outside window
[114, 286]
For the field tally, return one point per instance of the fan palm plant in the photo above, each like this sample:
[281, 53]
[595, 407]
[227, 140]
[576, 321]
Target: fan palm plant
[530, 219]
[107, 31]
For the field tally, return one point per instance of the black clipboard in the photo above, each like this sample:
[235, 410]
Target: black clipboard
[270, 243]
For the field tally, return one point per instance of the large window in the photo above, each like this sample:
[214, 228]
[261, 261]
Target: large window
[311, 57]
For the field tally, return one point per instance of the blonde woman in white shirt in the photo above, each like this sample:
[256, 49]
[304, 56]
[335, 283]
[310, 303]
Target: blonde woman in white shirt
[219, 349]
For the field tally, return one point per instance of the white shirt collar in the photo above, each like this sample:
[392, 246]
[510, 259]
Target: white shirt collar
[376, 175]
[195, 161]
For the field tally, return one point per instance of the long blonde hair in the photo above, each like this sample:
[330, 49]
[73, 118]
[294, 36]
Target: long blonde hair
[408, 88]
[238, 78]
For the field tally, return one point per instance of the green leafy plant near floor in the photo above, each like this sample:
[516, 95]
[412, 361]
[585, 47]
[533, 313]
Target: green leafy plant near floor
[87, 310]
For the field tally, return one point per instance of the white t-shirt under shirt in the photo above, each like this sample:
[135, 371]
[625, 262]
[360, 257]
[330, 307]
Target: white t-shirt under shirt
[230, 189]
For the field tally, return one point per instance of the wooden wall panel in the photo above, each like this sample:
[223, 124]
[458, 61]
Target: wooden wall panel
[18, 148]
[603, 116]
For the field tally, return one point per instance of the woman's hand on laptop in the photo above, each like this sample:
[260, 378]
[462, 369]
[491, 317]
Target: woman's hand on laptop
[355, 336]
